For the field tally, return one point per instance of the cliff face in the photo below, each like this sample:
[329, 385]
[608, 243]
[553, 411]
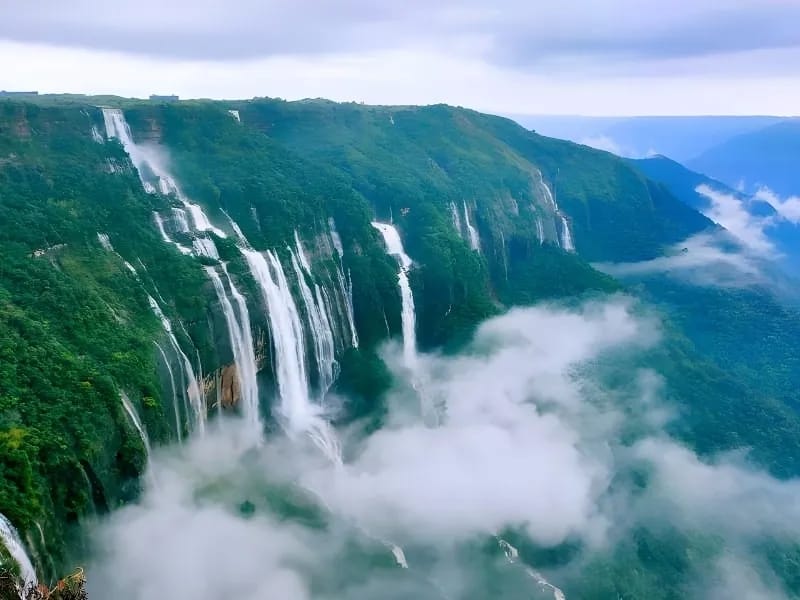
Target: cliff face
[485, 216]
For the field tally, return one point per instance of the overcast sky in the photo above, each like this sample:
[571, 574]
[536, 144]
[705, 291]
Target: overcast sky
[593, 57]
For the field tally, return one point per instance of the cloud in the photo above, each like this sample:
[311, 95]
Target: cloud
[788, 208]
[511, 33]
[726, 496]
[529, 439]
[703, 259]
[730, 211]
[603, 142]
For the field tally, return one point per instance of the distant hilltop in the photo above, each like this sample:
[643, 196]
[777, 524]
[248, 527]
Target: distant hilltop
[157, 98]
[4, 93]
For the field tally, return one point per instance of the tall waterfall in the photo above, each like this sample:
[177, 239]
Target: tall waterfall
[540, 230]
[456, 218]
[474, 240]
[299, 414]
[190, 384]
[241, 339]
[130, 410]
[318, 321]
[337, 241]
[394, 246]
[566, 235]
[9, 538]
[150, 167]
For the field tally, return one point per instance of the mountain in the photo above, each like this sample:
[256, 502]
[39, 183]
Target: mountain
[766, 157]
[167, 268]
[751, 217]
[682, 138]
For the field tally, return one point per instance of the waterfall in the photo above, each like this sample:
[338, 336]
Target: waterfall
[512, 555]
[178, 427]
[566, 235]
[12, 542]
[204, 246]
[130, 410]
[394, 246]
[474, 240]
[456, 218]
[235, 115]
[298, 412]
[190, 384]
[347, 320]
[148, 162]
[165, 236]
[319, 324]
[337, 241]
[301, 254]
[241, 339]
[181, 220]
[540, 230]
[105, 242]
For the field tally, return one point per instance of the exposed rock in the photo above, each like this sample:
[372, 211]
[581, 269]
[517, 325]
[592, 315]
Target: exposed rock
[230, 387]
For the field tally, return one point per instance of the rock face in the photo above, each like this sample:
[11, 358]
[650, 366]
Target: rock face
[229, 388]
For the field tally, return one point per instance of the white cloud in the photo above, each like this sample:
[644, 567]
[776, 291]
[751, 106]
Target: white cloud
[603, 142]
[529, 440]
[788, 208]
[730, 212]
[416, 74]
[703, 259]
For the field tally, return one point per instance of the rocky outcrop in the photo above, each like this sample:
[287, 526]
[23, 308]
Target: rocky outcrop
[229, 390]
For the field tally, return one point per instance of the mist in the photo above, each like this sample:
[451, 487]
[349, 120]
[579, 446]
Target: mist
[529, 439]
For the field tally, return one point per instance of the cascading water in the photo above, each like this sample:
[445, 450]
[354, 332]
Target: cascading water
[456, 218]
[566, 235]
[190, 383]
[205, 247]
[130, 410]
[394, 246]
[512, 555]
[540, 230]
[147, 161]
[299, 414]
[9, 538]
[165, 236]
[105, 242]
[337, 241]
[181, 220]
[168, 365]
[241, 339]
[474, 240]
[319, 324]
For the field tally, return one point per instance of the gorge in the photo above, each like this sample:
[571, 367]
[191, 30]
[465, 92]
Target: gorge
[216, 343]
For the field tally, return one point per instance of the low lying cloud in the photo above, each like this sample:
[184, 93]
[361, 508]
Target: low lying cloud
[788, 208]
[528, 439]
[731, 212]
[703, 259]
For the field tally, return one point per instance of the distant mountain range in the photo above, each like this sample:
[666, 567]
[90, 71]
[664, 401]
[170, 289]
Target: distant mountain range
[749, 217]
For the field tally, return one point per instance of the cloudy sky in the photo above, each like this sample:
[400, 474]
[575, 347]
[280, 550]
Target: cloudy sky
[614, 57]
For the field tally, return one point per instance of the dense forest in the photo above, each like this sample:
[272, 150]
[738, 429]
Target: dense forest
[81, 259]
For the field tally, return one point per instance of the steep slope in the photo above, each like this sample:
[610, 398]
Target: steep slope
[767, 157]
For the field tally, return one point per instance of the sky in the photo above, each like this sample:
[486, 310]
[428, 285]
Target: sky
[588, 57]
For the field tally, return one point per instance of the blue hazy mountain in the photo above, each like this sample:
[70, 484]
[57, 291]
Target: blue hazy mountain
[766, 157]
[683, 183]
[682, 138]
